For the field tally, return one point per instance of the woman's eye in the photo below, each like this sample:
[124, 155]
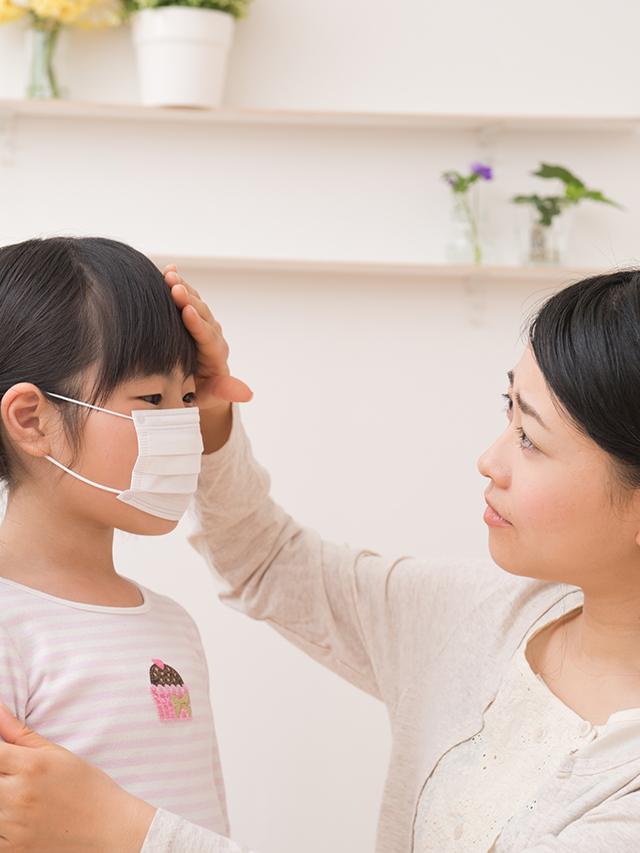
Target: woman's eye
[524, 440]
[508, 405]
[189, 399]
[154, 399]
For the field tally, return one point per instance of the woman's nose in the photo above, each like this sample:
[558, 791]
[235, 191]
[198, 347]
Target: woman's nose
[493, 463]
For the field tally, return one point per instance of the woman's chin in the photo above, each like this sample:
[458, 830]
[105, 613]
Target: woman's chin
[505, 558]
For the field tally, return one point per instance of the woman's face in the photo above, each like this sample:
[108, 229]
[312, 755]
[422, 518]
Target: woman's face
[553, 510]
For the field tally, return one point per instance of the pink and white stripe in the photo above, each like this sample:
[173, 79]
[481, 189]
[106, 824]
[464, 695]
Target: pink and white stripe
[79, 674]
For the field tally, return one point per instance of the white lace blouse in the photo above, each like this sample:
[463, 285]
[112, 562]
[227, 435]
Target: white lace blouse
[483, 791]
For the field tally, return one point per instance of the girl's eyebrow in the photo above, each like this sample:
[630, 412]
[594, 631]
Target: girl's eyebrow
[524, 407]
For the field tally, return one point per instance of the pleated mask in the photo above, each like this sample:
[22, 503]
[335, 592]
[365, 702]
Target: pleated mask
[165, 474]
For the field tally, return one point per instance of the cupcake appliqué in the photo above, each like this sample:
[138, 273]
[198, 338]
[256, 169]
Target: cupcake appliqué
[169, 693]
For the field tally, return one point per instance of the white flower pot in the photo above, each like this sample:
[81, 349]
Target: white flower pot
[182, 55]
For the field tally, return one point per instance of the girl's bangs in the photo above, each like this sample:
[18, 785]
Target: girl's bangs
[137, 328]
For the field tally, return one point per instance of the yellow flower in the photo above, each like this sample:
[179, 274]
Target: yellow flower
[10, 12]
[64, 11]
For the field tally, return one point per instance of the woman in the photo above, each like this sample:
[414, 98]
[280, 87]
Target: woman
[513, 686]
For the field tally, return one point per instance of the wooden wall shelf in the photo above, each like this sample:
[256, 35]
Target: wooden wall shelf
[428, 272]
[77, 110]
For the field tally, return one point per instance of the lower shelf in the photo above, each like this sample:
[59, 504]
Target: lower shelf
[428, 272]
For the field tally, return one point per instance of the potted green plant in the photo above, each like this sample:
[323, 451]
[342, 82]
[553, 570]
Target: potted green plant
[182, 49]
[548, 232]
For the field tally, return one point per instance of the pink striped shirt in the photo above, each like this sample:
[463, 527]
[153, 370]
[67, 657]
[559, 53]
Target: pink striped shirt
[127, 688]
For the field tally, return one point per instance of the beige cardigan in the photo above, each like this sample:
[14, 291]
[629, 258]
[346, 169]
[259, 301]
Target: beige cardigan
[431, 639]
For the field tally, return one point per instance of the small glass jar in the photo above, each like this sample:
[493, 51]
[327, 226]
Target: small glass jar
[463, 243]
[547, 244]
[43, 37]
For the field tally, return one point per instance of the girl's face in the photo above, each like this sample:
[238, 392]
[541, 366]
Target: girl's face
[553, 509]
[109, 450]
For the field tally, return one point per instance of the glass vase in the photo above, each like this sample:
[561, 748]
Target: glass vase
[43, 37]
[547, 244]
[463, 242]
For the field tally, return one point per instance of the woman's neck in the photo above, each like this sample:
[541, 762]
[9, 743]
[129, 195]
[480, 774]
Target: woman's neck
[590, 659]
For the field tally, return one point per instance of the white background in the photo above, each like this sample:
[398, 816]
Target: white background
[374, 395]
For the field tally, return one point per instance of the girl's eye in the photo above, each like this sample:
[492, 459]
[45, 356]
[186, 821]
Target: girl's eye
[189, 399]
[154, 399]
[508, 406]
[524, 440]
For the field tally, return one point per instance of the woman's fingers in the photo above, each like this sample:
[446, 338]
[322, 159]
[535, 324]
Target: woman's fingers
[227, 388]
[172, 277]
[17, 734]
[13, 731]
[52, 801]
[214, 384]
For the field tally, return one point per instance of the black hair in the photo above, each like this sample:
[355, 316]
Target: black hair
[586, 341]
[74, 309]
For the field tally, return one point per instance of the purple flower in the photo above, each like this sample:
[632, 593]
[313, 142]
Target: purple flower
[481, 170]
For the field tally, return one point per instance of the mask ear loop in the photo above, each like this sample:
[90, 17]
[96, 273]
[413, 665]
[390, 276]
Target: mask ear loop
[84, 479]
[88, 405]
[68, 470]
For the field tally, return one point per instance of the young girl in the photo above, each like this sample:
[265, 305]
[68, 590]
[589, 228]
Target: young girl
[513, 686]
[100, 430]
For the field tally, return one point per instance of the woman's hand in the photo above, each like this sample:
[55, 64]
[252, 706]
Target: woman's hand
[216, 389]
[51, 801]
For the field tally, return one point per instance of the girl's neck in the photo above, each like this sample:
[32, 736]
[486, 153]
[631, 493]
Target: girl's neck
[59, 556]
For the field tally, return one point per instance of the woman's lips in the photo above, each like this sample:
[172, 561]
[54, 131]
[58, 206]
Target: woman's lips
[493, 518]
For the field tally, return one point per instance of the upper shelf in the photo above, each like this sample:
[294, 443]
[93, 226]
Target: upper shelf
[62, 109]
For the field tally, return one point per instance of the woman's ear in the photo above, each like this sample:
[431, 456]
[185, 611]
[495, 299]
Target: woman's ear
[26, 414]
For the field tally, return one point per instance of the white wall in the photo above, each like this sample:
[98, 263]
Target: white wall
[374, 396]
[411, 55]
[300, 192]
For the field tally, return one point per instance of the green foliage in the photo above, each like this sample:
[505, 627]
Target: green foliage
[460, 183]
[548, 206]
[567, 177]
[553, 205]
[237, 8]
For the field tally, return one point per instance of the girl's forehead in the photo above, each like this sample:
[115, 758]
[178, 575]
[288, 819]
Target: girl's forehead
[172, 377]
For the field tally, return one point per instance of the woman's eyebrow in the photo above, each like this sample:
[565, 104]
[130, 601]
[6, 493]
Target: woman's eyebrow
[524, 407]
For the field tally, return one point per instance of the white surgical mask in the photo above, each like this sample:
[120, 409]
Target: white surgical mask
[165, 475]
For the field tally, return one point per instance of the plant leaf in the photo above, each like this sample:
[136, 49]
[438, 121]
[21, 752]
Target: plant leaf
[567, 177]
[525, 199]
[596, 195]
[547, 206]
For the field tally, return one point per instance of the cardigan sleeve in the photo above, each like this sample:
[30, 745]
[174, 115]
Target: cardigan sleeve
[169, 833]
[374, 621]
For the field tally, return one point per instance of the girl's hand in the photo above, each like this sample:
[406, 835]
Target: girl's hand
[216, 389]
[51, 801]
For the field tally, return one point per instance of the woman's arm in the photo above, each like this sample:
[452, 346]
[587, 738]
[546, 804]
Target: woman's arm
[374, 621]
[52, 801]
